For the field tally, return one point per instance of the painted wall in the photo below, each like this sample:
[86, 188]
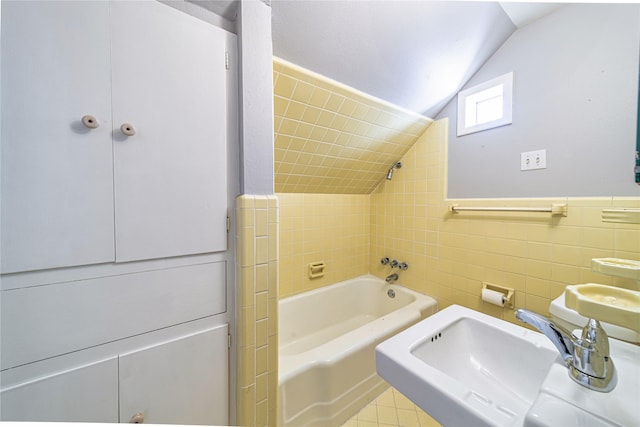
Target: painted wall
[256, 98]
[575, 95]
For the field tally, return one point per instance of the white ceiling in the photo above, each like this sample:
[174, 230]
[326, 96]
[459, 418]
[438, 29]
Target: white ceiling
[225, 8]
[416, 54]
[523, 13]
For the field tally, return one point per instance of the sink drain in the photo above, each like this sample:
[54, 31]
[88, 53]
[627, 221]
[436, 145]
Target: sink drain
[391, 293]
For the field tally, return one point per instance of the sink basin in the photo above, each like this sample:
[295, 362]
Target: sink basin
[465, 368]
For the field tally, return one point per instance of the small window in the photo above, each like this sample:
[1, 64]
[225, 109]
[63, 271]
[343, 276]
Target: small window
[485, 106]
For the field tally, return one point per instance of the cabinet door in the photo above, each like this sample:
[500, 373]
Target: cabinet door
[179, 382]
[84, 394]
[41, 322]
[170, 176]
[57, 179]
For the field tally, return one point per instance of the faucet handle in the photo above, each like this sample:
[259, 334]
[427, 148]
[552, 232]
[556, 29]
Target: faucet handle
[403, 266]
[394, 263]
[384, 261]
[594, 333]
[587, 358]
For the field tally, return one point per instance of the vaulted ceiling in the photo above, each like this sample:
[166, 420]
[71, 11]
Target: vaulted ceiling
[361, 79]
[415, 54]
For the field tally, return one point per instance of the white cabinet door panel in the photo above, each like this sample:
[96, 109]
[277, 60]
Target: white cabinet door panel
[179, 382]
[46, 321]
[170, 177]
[85, 394]
[57, 175]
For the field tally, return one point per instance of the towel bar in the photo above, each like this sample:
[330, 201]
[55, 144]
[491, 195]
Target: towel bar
[556, 209]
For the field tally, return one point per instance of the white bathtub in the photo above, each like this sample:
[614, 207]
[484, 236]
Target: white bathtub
[326, 347]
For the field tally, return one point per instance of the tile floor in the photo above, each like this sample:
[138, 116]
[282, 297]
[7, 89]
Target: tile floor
[391, 409]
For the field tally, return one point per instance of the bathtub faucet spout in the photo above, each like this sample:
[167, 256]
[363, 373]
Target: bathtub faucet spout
[392, 278]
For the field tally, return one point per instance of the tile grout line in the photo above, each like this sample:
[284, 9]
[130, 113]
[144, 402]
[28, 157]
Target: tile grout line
[363, 419]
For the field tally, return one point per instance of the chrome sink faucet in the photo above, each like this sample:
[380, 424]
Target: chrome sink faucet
[587, 358]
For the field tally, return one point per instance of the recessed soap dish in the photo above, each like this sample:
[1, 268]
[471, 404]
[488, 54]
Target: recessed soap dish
[627, 268]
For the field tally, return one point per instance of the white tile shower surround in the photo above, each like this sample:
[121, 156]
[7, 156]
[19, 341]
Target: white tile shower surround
[391, 409]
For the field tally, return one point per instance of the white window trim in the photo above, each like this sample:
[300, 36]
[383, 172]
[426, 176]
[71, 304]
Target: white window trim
[507, 82]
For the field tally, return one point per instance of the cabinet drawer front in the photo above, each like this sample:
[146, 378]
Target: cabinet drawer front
[85, 394]
[184, 381]
[46, 321]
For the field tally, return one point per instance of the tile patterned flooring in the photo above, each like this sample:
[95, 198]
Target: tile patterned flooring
[391, 409]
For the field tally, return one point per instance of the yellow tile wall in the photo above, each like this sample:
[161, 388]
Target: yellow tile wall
[333, 228]
[450, 255]
[257, 222]
[330, 138]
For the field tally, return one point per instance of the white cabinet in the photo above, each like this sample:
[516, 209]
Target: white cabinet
[179, 382]
[41, 322]
[68, 189]
[182, 381]
[84, 394]
[170, 177]
[57, 176]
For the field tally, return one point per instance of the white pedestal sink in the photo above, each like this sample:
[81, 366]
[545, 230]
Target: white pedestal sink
[468, 369]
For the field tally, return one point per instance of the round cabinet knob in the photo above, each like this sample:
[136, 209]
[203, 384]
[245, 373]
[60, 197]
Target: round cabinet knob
[90, 122]
[137, 418]
[127, 129]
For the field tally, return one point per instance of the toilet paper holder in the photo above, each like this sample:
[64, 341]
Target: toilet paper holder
[507, 293]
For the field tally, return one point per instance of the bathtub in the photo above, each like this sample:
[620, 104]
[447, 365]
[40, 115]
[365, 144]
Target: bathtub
[326, 369]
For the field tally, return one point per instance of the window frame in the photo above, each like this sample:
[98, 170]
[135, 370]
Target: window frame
[506, 80]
